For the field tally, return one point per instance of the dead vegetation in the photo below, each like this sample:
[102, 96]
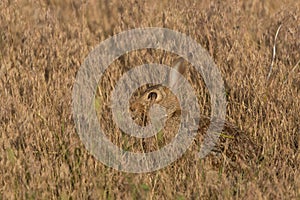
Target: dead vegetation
[43, 45]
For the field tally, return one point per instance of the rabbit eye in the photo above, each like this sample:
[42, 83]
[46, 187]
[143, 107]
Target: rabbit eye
[152, 95]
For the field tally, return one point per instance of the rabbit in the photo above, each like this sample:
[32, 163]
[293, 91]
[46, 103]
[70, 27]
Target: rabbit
[234, 146]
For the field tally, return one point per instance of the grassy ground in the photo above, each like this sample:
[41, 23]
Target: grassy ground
[43, 45]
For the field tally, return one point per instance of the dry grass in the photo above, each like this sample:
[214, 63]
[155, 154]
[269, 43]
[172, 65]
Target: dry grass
[43, 45]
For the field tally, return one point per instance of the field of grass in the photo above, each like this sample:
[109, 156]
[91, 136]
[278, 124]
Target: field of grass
[43, 45]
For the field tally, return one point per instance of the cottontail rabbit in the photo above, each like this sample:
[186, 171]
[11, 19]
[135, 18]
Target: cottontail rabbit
[234, 146]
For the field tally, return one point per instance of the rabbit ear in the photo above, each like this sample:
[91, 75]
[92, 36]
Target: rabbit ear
[174, 76]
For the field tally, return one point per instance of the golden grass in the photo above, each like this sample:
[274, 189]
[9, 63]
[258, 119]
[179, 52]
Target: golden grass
[43, 45]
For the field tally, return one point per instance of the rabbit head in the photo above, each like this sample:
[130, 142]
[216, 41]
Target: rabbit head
[160, 95]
